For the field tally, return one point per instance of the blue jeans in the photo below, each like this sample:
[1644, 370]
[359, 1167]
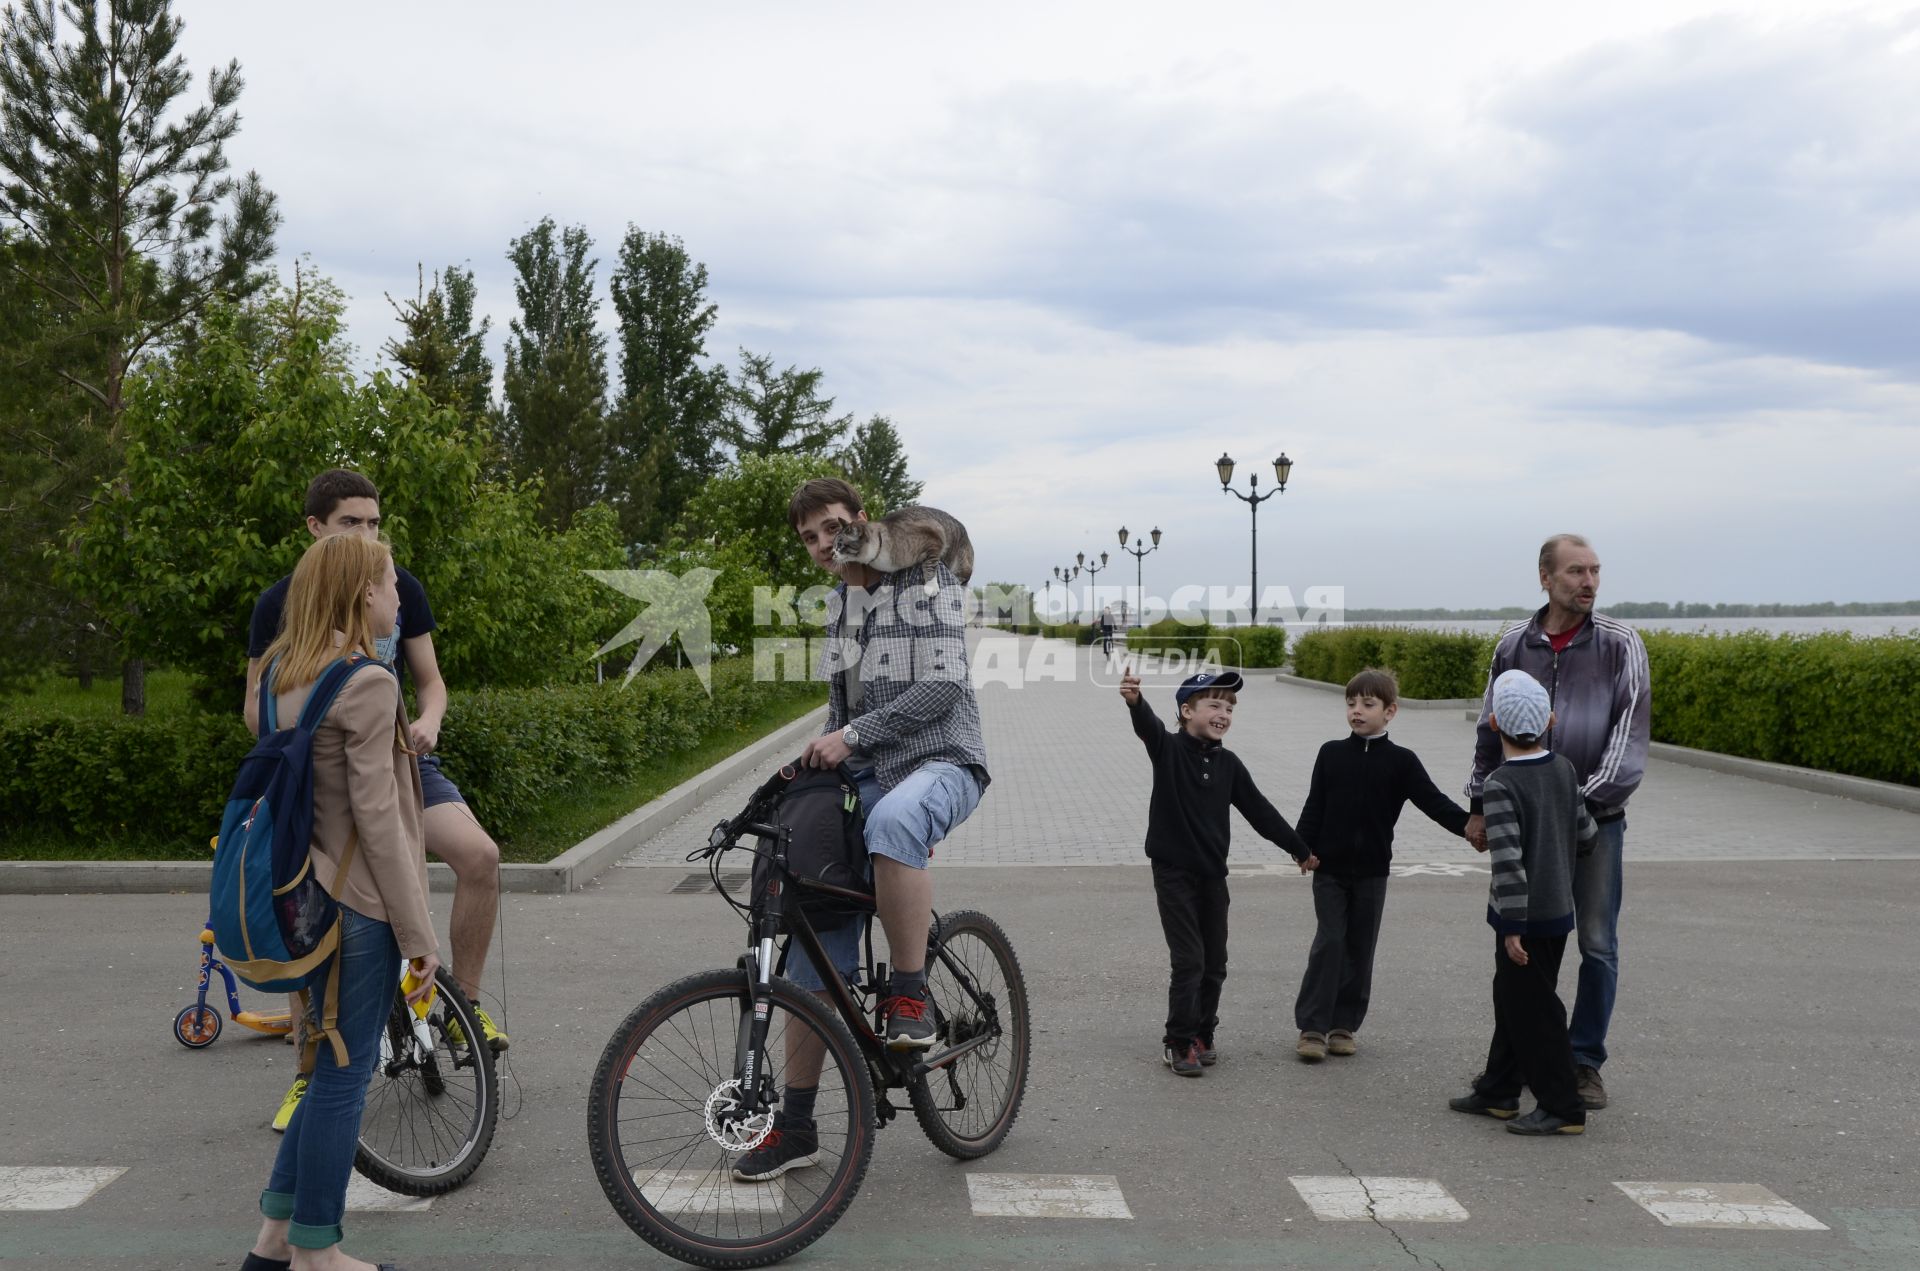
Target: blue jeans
[308, 1185]
[1596, 906]
[903, 824]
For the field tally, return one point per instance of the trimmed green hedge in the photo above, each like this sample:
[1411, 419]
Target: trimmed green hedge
[1233, 646]
[166, 778]
[1833, 701]
[1430, 664]
[1808, 700]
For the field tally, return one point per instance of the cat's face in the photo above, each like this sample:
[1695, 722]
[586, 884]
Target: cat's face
[852, 543]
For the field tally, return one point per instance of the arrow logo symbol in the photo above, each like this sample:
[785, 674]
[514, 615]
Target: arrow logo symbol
[676, 606]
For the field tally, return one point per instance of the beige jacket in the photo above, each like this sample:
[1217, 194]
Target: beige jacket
[365, 778]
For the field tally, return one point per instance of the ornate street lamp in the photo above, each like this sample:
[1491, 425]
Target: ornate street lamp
[1282, 469]
[1139, 589]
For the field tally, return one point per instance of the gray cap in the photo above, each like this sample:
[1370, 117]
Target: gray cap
[1520, 705]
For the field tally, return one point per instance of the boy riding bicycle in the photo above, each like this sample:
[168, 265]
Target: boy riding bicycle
[901, 715]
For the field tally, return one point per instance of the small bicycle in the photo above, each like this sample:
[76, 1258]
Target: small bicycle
[434, 1098]
[690, 1080]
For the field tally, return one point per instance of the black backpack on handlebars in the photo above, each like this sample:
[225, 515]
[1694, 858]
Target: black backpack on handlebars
[828, 844]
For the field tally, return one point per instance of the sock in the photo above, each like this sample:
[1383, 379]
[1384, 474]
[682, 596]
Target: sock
[909, 983]
[797, 1105]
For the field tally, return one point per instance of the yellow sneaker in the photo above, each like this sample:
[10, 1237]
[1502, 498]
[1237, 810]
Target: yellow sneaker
[294, 1095]
[496, 1040]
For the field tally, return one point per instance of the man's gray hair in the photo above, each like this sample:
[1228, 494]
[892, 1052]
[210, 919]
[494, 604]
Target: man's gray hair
[1550, 550]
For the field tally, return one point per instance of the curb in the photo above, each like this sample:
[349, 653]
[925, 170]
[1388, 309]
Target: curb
[1886, 794]
[570, 871]
[1410, 703]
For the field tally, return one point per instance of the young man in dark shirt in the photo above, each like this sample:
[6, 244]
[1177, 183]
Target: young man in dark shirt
[1196, 780]
[1360, 783]
[344, 502]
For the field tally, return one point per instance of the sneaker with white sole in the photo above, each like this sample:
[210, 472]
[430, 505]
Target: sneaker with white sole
[906, 1023]
[791, 1144]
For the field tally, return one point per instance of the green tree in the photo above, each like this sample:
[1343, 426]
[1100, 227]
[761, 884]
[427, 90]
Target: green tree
[666, 428]
[554, 426]
[441, 351]
[125, 220]
[211, 421]
[780, 412]
[744, 509]
[876, 464]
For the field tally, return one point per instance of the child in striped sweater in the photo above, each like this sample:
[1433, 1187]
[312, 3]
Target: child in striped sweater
[1537, 823]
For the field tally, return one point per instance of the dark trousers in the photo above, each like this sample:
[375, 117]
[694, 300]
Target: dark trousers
[1530, 1030]
[1193, 913]
[1339, 980]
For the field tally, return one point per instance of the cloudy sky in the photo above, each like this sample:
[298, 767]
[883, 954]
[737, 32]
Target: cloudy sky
[1484, 271]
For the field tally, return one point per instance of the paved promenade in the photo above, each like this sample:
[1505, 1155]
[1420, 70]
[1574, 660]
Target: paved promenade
[1071, 781]
[1764, 1117]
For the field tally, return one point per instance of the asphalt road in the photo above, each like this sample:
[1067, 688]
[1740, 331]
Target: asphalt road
[1765, 1036]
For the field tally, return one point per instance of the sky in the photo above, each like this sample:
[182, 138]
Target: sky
[1485, 272]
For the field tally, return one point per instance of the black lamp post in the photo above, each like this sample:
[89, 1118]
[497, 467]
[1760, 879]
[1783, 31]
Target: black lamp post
[1282, 468]
[1092, 570]
[1139, 589]
[1066, 574]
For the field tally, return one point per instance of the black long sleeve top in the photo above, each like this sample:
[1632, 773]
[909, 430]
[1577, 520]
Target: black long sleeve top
[1195, 782]
[1353, 802]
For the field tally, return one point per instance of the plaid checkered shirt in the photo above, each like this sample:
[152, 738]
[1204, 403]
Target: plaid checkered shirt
[917, 704]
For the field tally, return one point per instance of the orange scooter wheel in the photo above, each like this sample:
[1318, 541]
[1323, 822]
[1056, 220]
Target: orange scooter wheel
[196, 1026]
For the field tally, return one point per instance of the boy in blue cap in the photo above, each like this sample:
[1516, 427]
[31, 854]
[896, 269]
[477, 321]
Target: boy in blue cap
[1537, 823]
[1195, 781]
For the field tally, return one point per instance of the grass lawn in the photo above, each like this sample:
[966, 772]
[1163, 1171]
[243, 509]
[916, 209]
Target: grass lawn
[566, 818]
[166, 695]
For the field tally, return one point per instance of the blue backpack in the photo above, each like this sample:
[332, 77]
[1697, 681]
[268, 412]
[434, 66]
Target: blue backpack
[273, 922]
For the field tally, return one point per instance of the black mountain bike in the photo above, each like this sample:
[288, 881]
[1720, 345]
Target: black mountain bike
[691, 1079]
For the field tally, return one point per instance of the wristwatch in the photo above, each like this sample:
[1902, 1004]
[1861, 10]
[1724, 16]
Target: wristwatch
[851, 736]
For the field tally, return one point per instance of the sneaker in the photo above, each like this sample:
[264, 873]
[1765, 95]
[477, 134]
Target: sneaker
[1341, 1042]
[1542, 1122]
[905, 1023]
[1312, 1047]
[1593, 1095]
[1209, 1056]
[496, 1039]
[1478, 1104]
[295, 1094]
[1184, 1060]
[789, 1145]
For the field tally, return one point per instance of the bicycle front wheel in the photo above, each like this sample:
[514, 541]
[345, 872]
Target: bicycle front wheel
[668, 1138]
[434, 1099]
[967, 1106]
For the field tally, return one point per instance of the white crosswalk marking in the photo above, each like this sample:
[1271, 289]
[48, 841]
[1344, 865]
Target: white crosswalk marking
[692, 1194]
[1344, 1198]
[1046, 1196]
[38, 1187]
[1745, 1206]
[367, 1196]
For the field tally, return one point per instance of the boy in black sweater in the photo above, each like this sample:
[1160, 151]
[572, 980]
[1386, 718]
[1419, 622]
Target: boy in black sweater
[1537, 824]
[1359, 785]
[1195, 781]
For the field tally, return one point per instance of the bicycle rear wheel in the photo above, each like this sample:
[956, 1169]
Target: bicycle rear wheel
[434, 1099]
[657, 1112]
[967, 1106]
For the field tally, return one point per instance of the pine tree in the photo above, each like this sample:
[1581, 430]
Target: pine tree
[443, 353]
[780, 413]
[123, 218]
[876, 464]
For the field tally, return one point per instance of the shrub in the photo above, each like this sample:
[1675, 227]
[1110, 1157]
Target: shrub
[166, 777]
[1831, 701]
[1429, 664]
